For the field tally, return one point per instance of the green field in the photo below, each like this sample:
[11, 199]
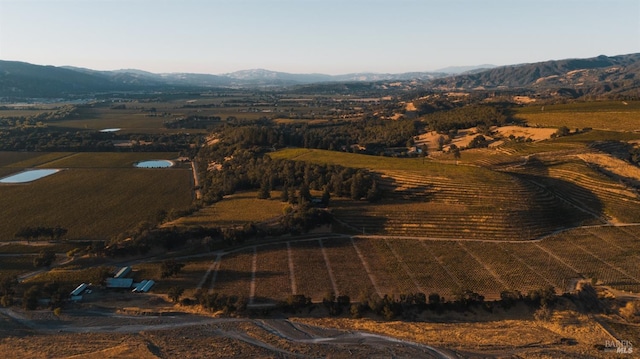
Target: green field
[380, 163]
[9, 158]
[94, 203]
[237, 209]
[107, 159]
[606, 115]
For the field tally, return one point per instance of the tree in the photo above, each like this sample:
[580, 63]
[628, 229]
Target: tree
[58, 232]
[434, 299]
[479, 142]
[175, 293]
[326, 196]
[456, 152]
[292, 195]
[562, 131]
[284, 195]
[30, 298]
[357, 182]
[265, 191]
[304, 194]
[7, 291]
[7, 285]
[170, 268]
[44, 259]
[425, 150]
[441, 141]
[374, 194]
[6, 300]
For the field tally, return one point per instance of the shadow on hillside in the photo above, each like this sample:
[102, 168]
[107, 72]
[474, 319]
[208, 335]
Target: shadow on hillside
[556, 203]
[395, 190]
[351, 217]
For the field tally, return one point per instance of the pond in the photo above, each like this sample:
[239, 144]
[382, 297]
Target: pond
[154, 164]
[111, 130]
[28, 176]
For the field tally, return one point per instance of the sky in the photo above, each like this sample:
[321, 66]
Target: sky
[312, 36]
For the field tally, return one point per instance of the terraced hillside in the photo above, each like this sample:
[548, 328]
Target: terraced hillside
[501, 196]
[502, 207]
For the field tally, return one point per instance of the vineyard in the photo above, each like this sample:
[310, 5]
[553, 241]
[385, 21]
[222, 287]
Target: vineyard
[616, 115]
[96, 196]
[360, 265]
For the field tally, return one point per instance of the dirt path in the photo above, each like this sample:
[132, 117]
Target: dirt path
[292, 275]
[216, 266]
[523, 262]
[329, 270]
[367, 269]
[254, 268]
[284, 329]
[490, 270]
[406, 268]
[196, 181]
[442, 265]
[577, 272]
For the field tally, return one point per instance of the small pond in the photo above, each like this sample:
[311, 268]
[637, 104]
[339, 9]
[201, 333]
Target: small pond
[154, 164]
[28, 176]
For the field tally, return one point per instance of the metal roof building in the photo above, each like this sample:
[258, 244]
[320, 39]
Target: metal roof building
[119, 282]
[138, 286]
[79, 289]
[122, 272]
[148, 285]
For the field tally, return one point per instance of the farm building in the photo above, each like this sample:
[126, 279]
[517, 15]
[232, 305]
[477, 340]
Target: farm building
[143, 286]
[138, 286]
[119, 282]
[148, 286]
[122, 272]
[79, 289]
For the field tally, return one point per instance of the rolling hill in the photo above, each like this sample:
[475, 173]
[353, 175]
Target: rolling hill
[572, 77]
[591, 76]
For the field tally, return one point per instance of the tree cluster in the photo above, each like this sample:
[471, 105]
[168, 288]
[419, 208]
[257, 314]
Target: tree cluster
[193, 122]
[467, 117]
[44, 259]
[245, 170]
[169, 268]
[216, 302]
[52, 139]
[371, 133]
[53, 233]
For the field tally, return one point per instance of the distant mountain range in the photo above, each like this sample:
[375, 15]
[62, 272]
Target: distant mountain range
[596, 75]
[590, 76]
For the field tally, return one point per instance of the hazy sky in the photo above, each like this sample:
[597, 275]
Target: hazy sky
[303, 36]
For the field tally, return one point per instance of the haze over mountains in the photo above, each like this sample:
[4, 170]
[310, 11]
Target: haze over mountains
[577, 77]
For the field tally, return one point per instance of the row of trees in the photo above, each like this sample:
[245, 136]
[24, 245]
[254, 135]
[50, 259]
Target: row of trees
[37, 232]
[409, 305]
[52, 139]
